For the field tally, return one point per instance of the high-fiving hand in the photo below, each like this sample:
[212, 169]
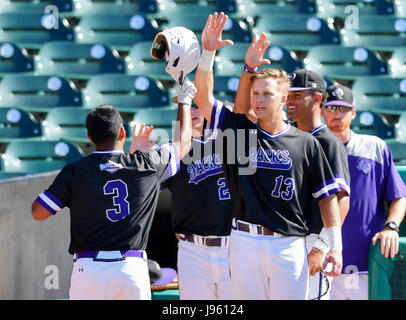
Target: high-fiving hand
[254, 57]
[211, 35]
[141, 140]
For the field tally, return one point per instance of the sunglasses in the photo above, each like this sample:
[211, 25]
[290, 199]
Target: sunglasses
[334, 108]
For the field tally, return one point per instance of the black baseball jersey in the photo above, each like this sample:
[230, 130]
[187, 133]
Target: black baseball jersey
[338, 160]
[273, 179]
[201, 201]
[112, 197]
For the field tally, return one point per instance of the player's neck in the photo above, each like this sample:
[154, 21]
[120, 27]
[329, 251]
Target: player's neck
[272, 126]
[344, 135]
[109, 146]
[308, 125]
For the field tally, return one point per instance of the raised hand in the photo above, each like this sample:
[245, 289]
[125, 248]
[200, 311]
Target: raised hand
[211, 36]
[141, 140]
[255, 54]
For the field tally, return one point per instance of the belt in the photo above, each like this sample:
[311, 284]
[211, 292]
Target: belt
[109, 256]
[253, 229]
[205, 241]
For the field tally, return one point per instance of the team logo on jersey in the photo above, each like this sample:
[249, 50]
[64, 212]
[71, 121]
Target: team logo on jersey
[270, 159]
[200, 170]
[363, 166]
[110, 166]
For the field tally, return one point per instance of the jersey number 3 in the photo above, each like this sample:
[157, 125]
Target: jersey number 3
[119, 190]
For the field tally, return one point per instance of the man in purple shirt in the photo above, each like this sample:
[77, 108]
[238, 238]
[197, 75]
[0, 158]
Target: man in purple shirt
[374, 181]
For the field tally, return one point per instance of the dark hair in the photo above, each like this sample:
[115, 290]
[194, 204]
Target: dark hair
[103, 124]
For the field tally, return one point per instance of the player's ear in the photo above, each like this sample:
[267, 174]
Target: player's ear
[90, 138]
[122, 133]
[353, 113]
[284, 99]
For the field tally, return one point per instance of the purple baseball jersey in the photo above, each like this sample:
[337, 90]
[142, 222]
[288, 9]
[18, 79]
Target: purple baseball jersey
[374, 180]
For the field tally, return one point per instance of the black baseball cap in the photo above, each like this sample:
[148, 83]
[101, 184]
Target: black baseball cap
[339, 95]
[160, 276]
[304, 79]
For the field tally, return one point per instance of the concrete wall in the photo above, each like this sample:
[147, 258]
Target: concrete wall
[34, 258]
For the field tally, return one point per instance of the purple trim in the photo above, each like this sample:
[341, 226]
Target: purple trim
[124, 254]
[324, 184]
[315, 130]
[276, 135]
[339, 103]
[221, 116]
[213, 115]
[54, 199]
[299, 88]
[326, 194]
[249, 68]
[46, 206]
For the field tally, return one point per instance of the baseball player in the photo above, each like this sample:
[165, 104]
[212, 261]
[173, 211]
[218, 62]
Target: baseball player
[112, 197]
[277, 173]
[374, 181]
[201, 217]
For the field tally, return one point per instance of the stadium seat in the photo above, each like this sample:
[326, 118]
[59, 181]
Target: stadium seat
[37, 93]
[226, 87]
[256, 8]
[397, 63]
[398, 150]
[296, 32]
[376, 33]
[10, 175]
[68, 123]
[63, 7]
[344, 8]
[127, 93]
[14, 59]
[230, 59]
[15, 124]
[139, 62]
[173, 8]
[400, 128]
[89, 7]
[400, 8]
[117, 31]
[234, 29]
[347, 63]
[160, 118]
[380, 94]
[77, 60]
[38, 156]
[367, 122]
[32, 30]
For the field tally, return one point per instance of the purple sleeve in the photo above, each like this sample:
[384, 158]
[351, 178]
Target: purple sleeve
[393, 183]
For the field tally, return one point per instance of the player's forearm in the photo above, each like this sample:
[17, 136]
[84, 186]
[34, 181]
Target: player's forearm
[204, 83]
[330, 212]
[344, 205]
[242, 99]
[183, 134]
[397, 209]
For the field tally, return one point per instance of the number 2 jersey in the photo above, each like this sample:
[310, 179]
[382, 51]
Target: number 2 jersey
[112, 197]
[201, 202]
[273, 179]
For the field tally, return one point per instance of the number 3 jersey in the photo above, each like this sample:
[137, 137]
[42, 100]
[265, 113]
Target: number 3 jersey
[273, 179]
[112, 197]
[201, 202]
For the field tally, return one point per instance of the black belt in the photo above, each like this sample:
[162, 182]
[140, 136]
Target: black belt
[206, 241]
[245, 227]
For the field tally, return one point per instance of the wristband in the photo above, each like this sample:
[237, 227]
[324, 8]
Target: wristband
[248, 69]
[207, 60]
[334, 238]
[322, 244]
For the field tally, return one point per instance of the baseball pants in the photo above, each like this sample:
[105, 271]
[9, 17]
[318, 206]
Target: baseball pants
[203, 271]
[268, 267]
[113, 280]
[319, 284]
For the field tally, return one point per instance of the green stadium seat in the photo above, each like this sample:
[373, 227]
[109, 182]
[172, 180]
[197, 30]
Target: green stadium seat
[397, 63]
[378, 33]
[38, 156]
[69, 124]
[10, 175]
[398, 150]
[235, 30]
[226, 87]
[230, 59]
[14, 59]
[37, 93]
[341, 8]
[346, 63]
[297, 32]
[139, 62]
[16, 124]
[77, 60]
[32, 30]
[89, 7]
[160, 118]
[380, 94]
[400, 8]
[367, 122]
[400, 128]
[63, 7]
[256, 8]
[186, 7]
[127, 93]
[117, 31]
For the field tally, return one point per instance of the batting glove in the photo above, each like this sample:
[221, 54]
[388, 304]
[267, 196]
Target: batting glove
[185, 92]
